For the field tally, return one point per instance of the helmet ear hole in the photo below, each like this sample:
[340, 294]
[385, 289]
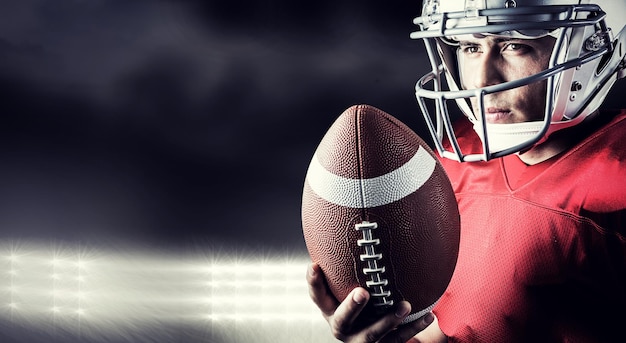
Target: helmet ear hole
[604, 60]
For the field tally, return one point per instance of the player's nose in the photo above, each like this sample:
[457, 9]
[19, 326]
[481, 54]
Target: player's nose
[486, 70]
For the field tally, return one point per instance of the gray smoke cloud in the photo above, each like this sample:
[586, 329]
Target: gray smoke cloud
[172, 120]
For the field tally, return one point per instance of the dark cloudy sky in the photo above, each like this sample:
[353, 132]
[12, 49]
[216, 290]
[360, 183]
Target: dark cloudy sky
[167, 122]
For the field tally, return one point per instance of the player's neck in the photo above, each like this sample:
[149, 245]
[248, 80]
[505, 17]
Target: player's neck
[545, 151]
[563, 140]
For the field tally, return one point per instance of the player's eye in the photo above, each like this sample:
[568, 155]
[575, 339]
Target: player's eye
[516, 48]
[469, 49]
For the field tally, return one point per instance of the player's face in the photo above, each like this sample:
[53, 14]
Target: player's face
[490, 60]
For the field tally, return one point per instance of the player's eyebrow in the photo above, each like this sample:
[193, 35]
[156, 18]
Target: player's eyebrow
[467, 43]
[495, 40]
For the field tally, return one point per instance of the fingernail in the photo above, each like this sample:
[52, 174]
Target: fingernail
[402, 311]
[428, 318]
[358, 298]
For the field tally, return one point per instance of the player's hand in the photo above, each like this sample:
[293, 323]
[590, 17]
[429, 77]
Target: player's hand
[343, 317]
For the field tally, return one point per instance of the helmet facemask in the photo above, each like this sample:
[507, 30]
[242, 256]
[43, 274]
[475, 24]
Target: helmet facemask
[581, 36]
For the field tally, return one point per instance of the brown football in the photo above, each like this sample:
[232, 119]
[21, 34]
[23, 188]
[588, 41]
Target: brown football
[378, 211]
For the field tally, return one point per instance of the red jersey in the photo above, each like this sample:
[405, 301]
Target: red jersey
[543, 248]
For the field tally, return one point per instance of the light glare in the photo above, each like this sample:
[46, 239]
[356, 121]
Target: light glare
[108, 291]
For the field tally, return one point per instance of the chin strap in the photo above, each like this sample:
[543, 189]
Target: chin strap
[504, 136]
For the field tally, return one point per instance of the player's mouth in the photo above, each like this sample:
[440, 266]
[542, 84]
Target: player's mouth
[495, 115]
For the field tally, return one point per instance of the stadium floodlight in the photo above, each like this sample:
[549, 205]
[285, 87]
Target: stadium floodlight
[104, 292]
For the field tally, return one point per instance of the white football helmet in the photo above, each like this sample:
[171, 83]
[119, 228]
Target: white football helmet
[588, 57]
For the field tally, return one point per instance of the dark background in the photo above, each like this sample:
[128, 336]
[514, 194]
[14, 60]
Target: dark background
[185, 125]
[170, 123]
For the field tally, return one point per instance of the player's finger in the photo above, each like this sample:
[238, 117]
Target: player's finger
[407, 331]
[383, 327]
[346, 313]
[319, 292]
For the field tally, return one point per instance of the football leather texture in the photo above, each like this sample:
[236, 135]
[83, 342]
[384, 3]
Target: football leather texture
[378, 211]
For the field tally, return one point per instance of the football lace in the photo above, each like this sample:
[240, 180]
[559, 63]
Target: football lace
[377, 283]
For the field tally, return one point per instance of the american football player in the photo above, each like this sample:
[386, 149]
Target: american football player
[513, 104]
